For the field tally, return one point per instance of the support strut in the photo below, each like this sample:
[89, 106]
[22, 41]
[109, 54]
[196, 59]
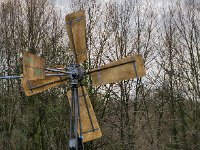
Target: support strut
[76, 139]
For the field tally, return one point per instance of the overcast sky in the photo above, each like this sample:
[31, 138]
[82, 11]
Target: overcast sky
[155, 2]
[65, 4]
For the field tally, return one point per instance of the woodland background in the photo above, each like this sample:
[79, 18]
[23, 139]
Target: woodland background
[159, 111]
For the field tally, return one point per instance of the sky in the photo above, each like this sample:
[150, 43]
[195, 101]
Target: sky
[64, 4]
[157, 3]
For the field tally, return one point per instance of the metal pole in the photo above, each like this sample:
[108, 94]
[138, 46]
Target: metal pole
[74, 118]
[76, 141]
[75, 99]
[80, 139]
[77, 121]
[47, 75]
[71, 120]
[11, 77]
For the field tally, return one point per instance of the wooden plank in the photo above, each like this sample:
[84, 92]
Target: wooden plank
[90, 128]
[42, 84]
[76, 28]
[127, 68]
[33, 66]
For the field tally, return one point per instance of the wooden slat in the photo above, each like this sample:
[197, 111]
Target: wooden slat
[90, 129]
[119, 70]
[33, 66]
[42, 84]
[76, 26]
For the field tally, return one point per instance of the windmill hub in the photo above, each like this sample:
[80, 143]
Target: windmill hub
[76, 73]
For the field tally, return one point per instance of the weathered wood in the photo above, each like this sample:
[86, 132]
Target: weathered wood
[36, 86]
[33, 66]
[127, 68]
[90, 128]
[76, 26]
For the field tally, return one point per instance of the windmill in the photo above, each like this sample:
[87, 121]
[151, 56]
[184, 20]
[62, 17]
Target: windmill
[36, 78]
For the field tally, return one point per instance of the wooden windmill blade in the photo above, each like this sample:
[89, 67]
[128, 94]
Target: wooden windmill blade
[76, 28]
[33, 66]
[127, 68]
[36, 86]
[90, 126]
[32, 87]
[34, 79]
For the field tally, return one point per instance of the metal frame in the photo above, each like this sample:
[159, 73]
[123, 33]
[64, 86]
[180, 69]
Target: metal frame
[76, 138]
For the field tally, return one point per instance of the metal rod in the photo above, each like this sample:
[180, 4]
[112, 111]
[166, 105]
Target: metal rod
[56, 70]
[79, 116]
[75, 101]
[74, 20]
[11, 77]
[72, 140]
[50, 75]
[80, 139]
[100, 69]
[47, 75]
[71, 113]
[135, 69]
[93, 130]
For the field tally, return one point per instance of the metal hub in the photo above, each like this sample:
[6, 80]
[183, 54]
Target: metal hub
[76, 73]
